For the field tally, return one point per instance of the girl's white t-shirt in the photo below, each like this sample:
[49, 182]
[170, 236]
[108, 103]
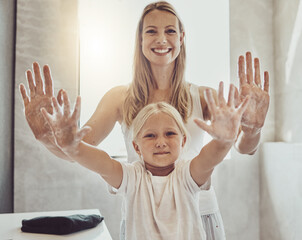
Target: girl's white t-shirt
[161, 208]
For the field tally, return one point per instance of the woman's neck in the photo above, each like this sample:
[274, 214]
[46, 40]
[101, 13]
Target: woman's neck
[162, 76]
[160, 171]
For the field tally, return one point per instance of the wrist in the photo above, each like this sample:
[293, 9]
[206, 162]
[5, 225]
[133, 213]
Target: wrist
[222, 144]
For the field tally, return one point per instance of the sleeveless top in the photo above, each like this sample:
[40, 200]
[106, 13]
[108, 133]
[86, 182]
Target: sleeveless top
[208, 203]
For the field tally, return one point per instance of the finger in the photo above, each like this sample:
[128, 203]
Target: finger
[203, 125]
[48, 81]
[257, 72]
[266, 81]
[66, 103]
[59, 97]
[31, 84]
[56, 105]
[83, 132]
[244, 105]
[231, 96]
[210, 101]
[24, 94]
[221, 100]
[241, 71]
[77, 109]
[236, 97]
[38, 78]
[249, 68]
[47, 117]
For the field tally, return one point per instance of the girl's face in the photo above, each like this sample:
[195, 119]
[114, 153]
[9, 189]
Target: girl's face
[161, 37]
[159, 142]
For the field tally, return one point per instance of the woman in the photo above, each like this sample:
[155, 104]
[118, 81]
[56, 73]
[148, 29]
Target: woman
[159, 66]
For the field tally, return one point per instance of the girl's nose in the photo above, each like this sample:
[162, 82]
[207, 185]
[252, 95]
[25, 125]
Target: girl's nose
[161, 143]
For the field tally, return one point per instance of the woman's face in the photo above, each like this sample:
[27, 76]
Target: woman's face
[161, 38]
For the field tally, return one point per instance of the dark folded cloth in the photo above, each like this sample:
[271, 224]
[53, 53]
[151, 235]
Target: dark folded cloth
[60, 225]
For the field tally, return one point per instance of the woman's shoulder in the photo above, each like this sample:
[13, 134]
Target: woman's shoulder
[118, 91]
[204, 105]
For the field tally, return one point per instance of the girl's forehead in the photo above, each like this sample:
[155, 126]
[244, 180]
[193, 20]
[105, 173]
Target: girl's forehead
[159, 120]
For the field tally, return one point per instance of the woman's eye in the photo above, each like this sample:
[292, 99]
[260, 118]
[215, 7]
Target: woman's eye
[171, 31]
[151, 31]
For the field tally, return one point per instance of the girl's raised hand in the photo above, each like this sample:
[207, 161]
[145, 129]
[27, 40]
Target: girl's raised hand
[254, 116]
[225, 117]
[40, 95]
[64, 124]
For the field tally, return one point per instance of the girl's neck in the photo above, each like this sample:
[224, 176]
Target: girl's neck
[160, 171]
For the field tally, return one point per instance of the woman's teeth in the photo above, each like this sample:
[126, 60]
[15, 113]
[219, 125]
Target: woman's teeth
[161, 50]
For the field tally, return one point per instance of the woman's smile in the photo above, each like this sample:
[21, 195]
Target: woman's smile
[161, 51]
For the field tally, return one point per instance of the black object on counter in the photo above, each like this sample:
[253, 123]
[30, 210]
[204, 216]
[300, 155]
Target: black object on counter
[61, 225]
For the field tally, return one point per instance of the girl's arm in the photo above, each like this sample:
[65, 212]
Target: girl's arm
[68, 138]
[225, 122]
[102, 121]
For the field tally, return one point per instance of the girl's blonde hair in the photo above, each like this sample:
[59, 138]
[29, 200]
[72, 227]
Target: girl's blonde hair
[154, 108]
[139, 90]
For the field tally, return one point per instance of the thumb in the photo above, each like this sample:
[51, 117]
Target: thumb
[83, 132]
[203, 125]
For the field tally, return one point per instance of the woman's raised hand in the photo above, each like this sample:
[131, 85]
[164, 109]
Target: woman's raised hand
[64, 124]
[225, 117]
[250, 85]
[39, 97]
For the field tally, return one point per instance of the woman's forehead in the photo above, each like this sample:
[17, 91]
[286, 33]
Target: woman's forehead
[160, 18]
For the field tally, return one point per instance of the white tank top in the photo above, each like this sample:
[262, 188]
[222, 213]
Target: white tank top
[208, 202]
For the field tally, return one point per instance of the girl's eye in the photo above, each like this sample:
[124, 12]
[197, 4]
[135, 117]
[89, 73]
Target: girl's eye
[170, 133]
[150, 135]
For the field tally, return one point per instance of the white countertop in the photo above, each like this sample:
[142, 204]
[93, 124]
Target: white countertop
[10, 227]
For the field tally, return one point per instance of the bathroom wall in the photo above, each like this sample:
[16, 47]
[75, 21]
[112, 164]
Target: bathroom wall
[7, 45]
[47, 33]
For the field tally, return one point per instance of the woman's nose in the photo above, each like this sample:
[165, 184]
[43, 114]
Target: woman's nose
[161, 39]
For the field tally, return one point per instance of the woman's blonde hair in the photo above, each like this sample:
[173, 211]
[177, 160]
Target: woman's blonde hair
[139, 90]
[154, 108]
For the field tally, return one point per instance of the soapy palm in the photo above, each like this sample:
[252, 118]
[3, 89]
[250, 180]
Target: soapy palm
[64, 124]
[225, 117]
[38, 98]
[254, 116]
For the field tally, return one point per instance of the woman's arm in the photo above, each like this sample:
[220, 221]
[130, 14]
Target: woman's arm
[254, 116]
[68, 138]
[225, 122]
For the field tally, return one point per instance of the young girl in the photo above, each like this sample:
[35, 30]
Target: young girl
[159, 66]
[161, 188]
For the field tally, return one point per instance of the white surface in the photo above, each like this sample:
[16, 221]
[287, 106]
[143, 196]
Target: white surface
[10, 227]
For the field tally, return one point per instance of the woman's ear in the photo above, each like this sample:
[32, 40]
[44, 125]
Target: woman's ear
[184, 140]
[136, 148]
[182, 37]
